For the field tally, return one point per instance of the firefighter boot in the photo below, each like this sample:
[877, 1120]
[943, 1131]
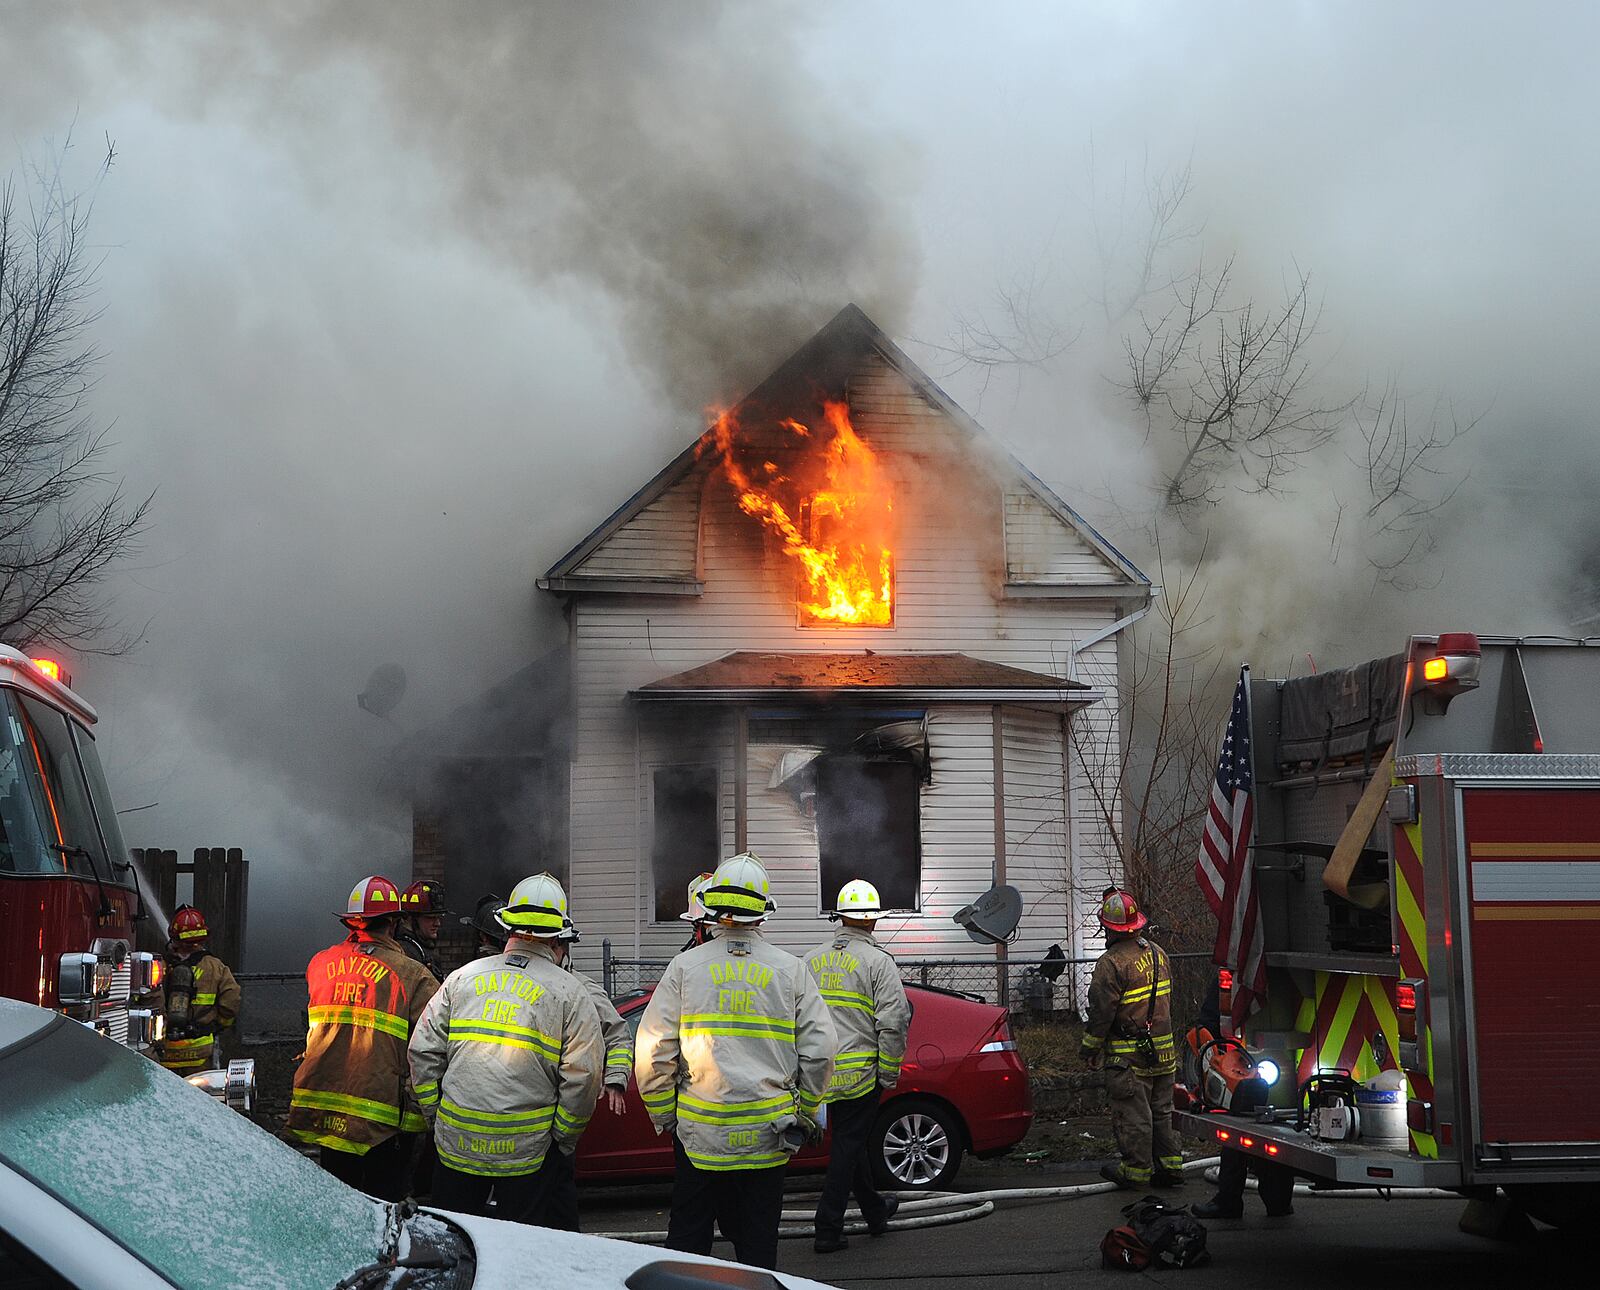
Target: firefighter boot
[831, 1243]
[1219, 1206]
[1120, 1175]
[890, 1205]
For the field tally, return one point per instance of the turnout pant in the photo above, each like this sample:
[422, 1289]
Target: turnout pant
[1141, 1122]
[1276, 1182]
[746, 1203]
[383, 1172]
[848, 1169]
[519, 1198]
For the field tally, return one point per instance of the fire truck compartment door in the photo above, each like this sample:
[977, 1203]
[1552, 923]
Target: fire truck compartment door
[1532, 899]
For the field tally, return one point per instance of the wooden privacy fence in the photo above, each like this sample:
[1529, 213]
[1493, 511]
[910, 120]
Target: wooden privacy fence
[221, 892]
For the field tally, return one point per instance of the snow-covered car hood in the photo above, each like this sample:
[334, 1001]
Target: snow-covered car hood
[509, 1254]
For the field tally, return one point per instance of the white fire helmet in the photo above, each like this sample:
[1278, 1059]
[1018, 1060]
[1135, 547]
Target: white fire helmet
[739, 890]
[858, 898]
[696, 912]
[538, 907]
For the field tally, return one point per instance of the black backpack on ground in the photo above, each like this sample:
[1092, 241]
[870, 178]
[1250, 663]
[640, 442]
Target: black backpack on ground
[1155, 1235]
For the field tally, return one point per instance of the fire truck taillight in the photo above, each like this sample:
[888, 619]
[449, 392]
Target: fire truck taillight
[1407, 995]
[149, 971]
[1453, 665]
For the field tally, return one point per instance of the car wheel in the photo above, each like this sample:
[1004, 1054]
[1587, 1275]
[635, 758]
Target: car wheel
[915, 1145]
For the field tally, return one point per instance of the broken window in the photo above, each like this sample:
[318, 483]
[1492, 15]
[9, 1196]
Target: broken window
[685, 838]
[869, 825]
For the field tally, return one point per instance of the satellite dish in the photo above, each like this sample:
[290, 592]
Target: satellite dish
[992, 918]
[385, 688]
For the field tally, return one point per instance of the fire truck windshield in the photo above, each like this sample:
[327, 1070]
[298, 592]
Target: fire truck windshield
[47, 821]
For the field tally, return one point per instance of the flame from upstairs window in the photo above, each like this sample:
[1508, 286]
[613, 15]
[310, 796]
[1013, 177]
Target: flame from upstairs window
[837, 523]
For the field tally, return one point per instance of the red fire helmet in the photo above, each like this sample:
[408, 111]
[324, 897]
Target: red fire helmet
[188, 926]
[1120, 912]
[423, 897]
[372, 897]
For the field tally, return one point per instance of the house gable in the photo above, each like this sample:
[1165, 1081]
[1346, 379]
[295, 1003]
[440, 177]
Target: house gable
[651, 544]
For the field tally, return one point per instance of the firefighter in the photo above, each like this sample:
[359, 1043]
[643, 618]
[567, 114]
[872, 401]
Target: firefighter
[422, 903]
[482, 920]
[352, 1093]
[507, 1064]
[1130, 1030]
[859, 982]
[734, 1054]
[695, 915]
[200, 998]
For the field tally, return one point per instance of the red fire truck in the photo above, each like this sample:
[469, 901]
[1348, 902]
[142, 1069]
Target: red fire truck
[1427, 858]
[69, 895]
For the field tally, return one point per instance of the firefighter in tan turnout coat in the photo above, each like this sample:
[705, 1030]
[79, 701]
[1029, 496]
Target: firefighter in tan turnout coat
[201, 997]
[860, 984]
[734, 1054]
[1130, 1029]
[507, 1063]
[352, 1093]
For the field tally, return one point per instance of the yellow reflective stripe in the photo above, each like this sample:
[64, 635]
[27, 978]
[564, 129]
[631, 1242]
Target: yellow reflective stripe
[203, 1000]
[722, 1164]
[366, 1018]
[184, 1064]
[847, 999]
[728, 1117]
[332, 1140]
[488, 1169]
[727, 1023]
[719, 897]
[1093, 1041]
[1143, 992]
[483, 1033]
[658, 1099]
[466, 1118]
[187, 1045]
[620, 1057]
[808, 1103]
[758, 1104]
[365, 1107]
[543, 920]
[566, 1122]
[411, 1122]
[504, 1028]
[428, 1092]
[855, 1055]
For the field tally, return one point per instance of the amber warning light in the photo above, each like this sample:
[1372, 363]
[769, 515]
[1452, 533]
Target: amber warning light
[50, 668]
[1453, 664]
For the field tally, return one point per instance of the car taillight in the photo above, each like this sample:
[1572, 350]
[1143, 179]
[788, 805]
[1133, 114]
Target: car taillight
[1000, 1041]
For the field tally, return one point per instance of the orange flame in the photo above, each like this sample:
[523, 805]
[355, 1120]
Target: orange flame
[840, 532]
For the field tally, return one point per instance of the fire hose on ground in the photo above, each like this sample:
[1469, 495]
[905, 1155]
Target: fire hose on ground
[944, 1208]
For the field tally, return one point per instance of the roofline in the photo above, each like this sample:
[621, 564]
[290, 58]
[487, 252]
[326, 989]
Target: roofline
[622, 586]
[1053, 696]
[850, 316]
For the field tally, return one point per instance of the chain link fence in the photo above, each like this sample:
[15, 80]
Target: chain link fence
[1018, 984]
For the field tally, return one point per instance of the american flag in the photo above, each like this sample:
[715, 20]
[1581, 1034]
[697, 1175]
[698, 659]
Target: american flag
[1224, 871]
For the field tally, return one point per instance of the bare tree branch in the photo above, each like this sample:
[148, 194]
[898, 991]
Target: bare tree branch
[63, 519]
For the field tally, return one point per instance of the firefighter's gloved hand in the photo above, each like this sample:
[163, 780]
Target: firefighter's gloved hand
[809, 1125]
[1090, 1055]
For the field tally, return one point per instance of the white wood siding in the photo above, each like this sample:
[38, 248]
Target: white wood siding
[1042, 550]
[661, 541]
[1038, 862]
[950, 570]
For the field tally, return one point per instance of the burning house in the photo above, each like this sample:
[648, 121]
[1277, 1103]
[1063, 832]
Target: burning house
[846, 631]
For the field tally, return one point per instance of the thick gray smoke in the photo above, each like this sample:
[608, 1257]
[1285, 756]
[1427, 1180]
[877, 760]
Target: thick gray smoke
[398, 288]
[402, 300]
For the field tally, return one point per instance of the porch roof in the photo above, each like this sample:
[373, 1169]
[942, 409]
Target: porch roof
[751, 676]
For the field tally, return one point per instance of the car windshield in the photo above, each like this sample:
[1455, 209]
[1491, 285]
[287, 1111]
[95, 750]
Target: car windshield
[46, 822]
[195, 1190]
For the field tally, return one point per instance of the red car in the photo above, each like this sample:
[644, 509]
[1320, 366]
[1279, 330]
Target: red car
[963, 1088]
